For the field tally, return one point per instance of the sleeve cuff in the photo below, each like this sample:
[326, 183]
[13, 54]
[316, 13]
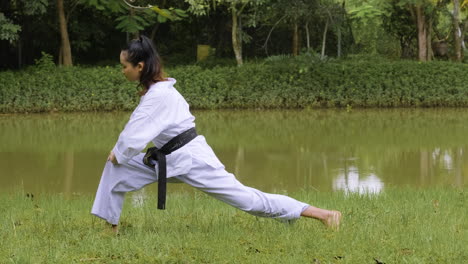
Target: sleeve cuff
[121, 158]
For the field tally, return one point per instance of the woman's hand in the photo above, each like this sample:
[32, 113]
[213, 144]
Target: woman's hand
[112, 158]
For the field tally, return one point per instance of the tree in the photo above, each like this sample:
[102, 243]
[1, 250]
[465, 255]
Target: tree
[460, 26]
[399, 23]
[457, 31]
[137, 17]
[237, 10]
[8, 30]
[13, 18]
[367, 21]
[422, 26]
[293, 15]
[408, 20]
[297, 15]
[296, 12]
[419, 11]
[464, 8]
[333, 13]
[65, 48]
[423, 12]
[132, 19]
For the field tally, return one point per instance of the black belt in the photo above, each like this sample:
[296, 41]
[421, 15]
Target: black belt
[160, 155]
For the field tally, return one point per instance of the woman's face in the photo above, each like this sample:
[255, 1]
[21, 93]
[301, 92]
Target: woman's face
[132, 73]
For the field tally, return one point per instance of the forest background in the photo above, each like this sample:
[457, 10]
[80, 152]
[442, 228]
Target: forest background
[369, 46]
[91, 32]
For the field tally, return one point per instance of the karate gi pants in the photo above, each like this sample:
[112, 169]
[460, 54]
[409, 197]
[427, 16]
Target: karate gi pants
[119, 179]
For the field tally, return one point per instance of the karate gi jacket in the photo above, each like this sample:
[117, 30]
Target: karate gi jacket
[162, 114]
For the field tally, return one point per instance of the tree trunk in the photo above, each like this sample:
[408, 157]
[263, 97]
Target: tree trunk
[422, 33]
[456, 31]
[295, 40]
[60, 56]
[465, 28]
[307, 36]
[324, 40]
[20, 53]
[156, 27]
[65, 41]
[153, 32]
[407, 52]
[236, 39]
[338, 48]
[430, 53]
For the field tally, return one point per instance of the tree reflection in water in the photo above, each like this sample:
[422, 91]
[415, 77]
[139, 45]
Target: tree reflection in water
[350, 180]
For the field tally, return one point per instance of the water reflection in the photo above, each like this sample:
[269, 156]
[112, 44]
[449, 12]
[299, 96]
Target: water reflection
[350, 180]
[138, 197]
[270, 150]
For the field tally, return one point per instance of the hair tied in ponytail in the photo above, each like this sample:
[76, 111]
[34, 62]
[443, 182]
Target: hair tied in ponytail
[143, 50]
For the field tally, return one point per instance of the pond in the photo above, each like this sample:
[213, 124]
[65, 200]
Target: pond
[276, 151]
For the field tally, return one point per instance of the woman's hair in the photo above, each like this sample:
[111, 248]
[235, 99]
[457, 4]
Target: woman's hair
[143, 50]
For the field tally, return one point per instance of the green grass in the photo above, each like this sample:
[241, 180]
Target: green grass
[398, 226]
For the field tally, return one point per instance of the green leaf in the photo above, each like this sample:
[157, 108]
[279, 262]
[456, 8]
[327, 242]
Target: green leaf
[181, 12]
[161, 19]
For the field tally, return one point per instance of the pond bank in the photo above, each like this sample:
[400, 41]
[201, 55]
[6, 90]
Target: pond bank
[403, 225]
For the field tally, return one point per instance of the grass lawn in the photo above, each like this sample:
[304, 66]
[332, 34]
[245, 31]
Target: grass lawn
[404, 225]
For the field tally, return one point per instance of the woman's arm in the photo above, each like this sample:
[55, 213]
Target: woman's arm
[150, 118]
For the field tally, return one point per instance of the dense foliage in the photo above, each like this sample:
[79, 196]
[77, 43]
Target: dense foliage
[92, 31]
[279, 82]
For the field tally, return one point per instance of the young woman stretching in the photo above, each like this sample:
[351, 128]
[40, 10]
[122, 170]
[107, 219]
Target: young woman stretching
[163, 117]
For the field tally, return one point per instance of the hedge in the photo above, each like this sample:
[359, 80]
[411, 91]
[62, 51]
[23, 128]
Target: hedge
[285, 83]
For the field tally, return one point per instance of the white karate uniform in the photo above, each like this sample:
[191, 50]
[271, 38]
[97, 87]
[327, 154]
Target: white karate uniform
[161, 115]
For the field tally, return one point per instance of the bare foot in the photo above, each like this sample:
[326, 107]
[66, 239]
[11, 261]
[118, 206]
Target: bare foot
[115, 229]
[332, 220]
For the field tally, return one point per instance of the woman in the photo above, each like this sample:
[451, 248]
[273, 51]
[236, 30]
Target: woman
[162, 115]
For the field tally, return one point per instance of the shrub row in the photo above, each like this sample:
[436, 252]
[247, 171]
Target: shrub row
[285, 83]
